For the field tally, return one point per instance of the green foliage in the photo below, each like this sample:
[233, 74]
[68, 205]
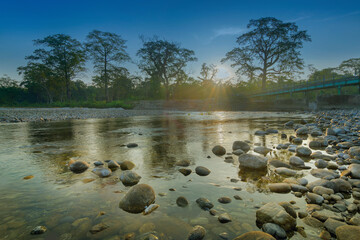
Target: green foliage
[164, 61]
[270, 48]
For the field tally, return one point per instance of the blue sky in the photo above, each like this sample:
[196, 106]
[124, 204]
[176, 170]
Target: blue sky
[208, 27]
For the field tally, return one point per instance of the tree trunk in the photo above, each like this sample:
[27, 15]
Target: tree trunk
[264, 76]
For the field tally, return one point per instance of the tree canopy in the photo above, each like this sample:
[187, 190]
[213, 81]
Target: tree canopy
[164, 60]
[270, 48]
[108, 51]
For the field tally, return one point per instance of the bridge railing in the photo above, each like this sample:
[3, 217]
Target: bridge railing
[308, 85]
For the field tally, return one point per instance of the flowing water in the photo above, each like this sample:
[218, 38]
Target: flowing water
[70, 204]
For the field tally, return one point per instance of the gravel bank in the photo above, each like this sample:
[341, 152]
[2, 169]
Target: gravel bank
[11, 115]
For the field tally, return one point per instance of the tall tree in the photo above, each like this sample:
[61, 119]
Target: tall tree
[270, 47]
[164, 60]
[62, 55]
[208, 73]
[350, 67]
[108, 51]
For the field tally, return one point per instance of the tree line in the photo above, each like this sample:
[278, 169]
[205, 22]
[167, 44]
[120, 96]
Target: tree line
[266, 55]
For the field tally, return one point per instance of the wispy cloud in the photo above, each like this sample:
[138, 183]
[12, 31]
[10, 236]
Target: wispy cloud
[297, 19]
[340, 16]
[226, 32]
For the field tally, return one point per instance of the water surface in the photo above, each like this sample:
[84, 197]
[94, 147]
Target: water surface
[69, 204]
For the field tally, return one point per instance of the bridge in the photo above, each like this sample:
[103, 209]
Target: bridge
[310, 86]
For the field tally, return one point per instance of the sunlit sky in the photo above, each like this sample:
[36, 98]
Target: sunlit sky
[208, 27]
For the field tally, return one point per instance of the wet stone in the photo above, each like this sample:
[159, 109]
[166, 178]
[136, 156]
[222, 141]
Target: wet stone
[197, 233]
[185, 171]
[219, 150]
[204, 203]
[182, 201]
[38, 230]
[202, 171]
[132, 145]
[274, 230]
[224, 218]
[127, 165]
[224, 200]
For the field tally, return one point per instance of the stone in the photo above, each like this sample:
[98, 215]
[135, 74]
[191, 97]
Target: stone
[98, 228]
[331, 225]
[98, 163]
[28, 177]
[127, 165]
[325, 235]
[297, 141]
[224, 218]
[185, 171]
[320, 163]
[313, 222]
[323, 215]
[354, 152]
[345, 145]
[341, 185]
[137, 198]
[274, 213]
[252, 161]
[285, 172]
[355, 220]
[197, 233]
[289, 208]
[79, 166]
[289, 124]
[298, 188]
[255, 235]
[260, 133]
[303, 151]
[38, 230]
[129, 178]
[354, 169]
[132, 145]
[303, 181]
[296, 161]
[320, 190]
[302, 214]
[219, 150]
[238, 152]
[262, 150]
[313, 198]
[320, 182]
[274, 230]
[149, 209]
[271, 131]
[278, 163]
[204, 203]
[224, 200]
[183, 163]
[347, 232]
[330, 132]
[302, 131]
[324, 173]
[280, 187]
[245, 147]
[102, 172]
[113, 165]
[182, 201]
[202, 171]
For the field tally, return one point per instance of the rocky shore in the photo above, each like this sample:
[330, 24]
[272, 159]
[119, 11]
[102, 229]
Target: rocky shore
[13, 115]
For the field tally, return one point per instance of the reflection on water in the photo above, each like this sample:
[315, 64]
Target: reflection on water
[69, 204]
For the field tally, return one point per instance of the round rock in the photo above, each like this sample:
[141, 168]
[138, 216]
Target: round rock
[202, 171]
[137, 198]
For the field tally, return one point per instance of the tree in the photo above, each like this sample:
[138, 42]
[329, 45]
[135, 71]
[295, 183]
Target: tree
[107, 51]
[164, 60]
[38, 75]
[270, 47]
[350, 67]
[208, 73]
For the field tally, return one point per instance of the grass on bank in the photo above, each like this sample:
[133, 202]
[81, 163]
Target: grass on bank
[72, 104]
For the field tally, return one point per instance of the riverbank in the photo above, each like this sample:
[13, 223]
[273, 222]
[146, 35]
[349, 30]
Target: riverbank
[13, 115]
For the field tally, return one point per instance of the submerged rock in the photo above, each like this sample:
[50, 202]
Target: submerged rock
[262, 150]
[224, 218]
[38, 230]
[137, 198]
[252, 161]
[224, 200]
[204, 203]
[245, 147]
[303, 151]
[182, 201]
[129, 178]
[255, 235]
[274, 213]
[219, 150]
[197, 233]
[127, 165]
[185, 171]
[280, 187]
[274, 230]
[102, 172]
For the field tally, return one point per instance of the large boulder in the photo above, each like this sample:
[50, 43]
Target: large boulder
[354, 170]
[296, 161]
[347, 232]
[241, 145]
[303, 151]
[341, 185]
[129, 178]
[355, 152]
[331, 225]
[252, 161]
[274, 213]
[137, 198]
[219, 150]
[78, 166]
[280, 187]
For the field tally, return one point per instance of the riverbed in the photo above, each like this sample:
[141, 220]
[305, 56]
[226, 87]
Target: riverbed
[70, 204]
